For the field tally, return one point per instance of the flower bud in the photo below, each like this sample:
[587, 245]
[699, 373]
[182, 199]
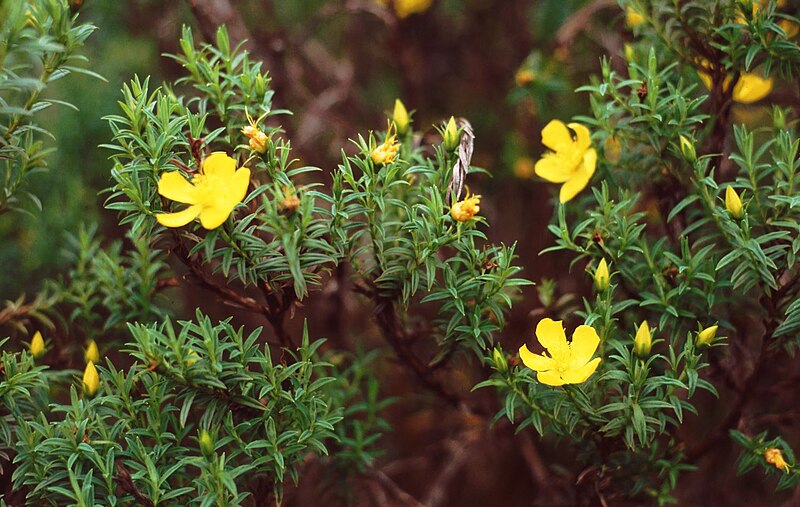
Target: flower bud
[499, 360]
[91, 381]
[400, 117]
[37, 345]
[261, 85]
[732, 202]
[206, 444]
[92, 354]
[688, 149]
[643, 342]
[601, 276]
[706, 336]
[612, 147]
[450, 138]
[524, 77]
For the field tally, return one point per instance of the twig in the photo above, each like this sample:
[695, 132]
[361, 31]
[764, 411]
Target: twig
[459, 450]
[391, 487]
[126, 484]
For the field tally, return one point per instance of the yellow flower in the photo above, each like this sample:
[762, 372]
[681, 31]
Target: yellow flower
[750, 88]
[643, 342]
[400, 117]
[706, 336]
[91, 381]
[386, 152]
[633, 18]
[212, 194]
[466, 209]
[405, 8]
[92, 354]
[192, 358]
[37, 345]
[732, 202]
[523, 167]
[572, 161]
[790, 28]
[568, 363]
[774, 457]
[450, 137]
[601, 276]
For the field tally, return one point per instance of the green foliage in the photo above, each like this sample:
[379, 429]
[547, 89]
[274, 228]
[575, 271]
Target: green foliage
[139, 432]
[41, 44]
[678, 257]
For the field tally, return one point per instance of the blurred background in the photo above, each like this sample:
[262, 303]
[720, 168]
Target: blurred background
[508, 66]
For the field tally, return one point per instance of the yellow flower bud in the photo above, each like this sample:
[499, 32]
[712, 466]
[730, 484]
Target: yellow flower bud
[91, 381]
[732, 202]
[92, 354]
[500, 361]
[37, 345]
[602, 277]
[290, 201]
[400, 117]
[612, 148]
[524, 77]
[450, 138]
[629, 54]
[524, 167]
[688, 149]
[643, 342]
[706, 336]
[206, 443]
[192, 358]
[260, 85]
[633, 18]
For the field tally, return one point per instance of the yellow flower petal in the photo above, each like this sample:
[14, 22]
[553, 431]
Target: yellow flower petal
[550, 334]
[219, 165]
[583, 139]
[554, 168]
[556, 136]
[751, 88]
[583, 346]
[580, 178]
[180, 218]
[213, 217]
[173, 185]
[535, 362]
[579, 375]
[550, 378]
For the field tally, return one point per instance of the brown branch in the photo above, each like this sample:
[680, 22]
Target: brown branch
[579, 21]
[747, 388]
[211, 14]
[125, 482]
[14, 312]
[398, 339]
[274, 311]
[391, 487]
